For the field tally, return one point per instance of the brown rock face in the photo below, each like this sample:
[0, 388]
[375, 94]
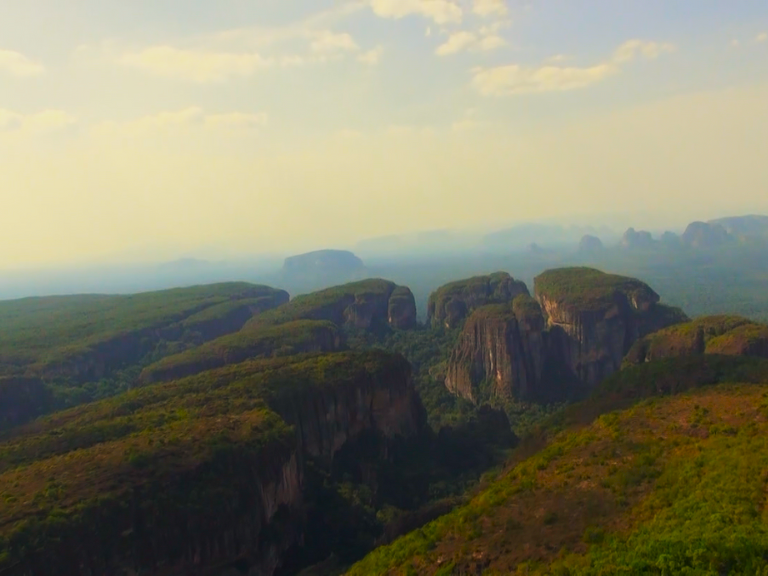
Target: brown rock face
[402, 309]
[451, 304]
[500, 354]
[559, 346]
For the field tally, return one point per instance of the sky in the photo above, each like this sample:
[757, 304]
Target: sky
[148, 129]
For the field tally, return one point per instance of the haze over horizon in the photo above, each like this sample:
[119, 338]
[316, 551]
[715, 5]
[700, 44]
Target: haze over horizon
[156, 128]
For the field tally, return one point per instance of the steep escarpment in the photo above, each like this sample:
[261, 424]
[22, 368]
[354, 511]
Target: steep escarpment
[501, 353]
[193, 475]
[726, 335]
[594, 318]
[367, 305]
[450, 305]
[558, 346]
[297, 337]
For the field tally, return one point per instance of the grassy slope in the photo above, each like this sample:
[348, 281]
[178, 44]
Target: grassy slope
[45, 329]
[666, 486]
[81, 463]
[710, 334]
[281, 340]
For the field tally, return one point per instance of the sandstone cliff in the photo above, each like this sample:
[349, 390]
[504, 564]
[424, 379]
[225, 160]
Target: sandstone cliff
[501, 353]
[594, 318]
[559, 346]
[450, 305]
[216, 485]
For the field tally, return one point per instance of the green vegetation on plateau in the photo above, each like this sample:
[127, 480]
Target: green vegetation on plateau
[708, 335]
[297, 337]
[672, 485]
[588, 288]
[190, 449]
[328, 304]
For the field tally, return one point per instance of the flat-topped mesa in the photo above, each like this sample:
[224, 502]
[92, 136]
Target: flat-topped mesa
[218, 481]
[369, 304]
[451, 304]
[501, 353]
[594, 318]
[725, 335]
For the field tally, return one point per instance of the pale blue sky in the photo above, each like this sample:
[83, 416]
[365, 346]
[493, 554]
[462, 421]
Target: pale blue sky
[158, 126]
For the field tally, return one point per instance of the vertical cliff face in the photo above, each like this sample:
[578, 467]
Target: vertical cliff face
[501, 353]
[594, 318]
[326, 419]
[451, 304]
[220, 488]
[557, 347]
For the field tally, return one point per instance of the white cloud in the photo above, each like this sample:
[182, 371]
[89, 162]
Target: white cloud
[17, 64]
[484, 40]
[557, 59]
[327, 42]
[634, 48]
[490, 7]
[195, 65]
[456, 42]
[762, 37]
[516, 79]
[45, 121]
[170, 122]
[440, 11]
[467, 122]
[371, 57]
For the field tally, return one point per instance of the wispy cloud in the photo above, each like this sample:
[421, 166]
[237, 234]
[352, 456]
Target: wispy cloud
[485, 39]
[45, 121]
[17, 64]
[371, 57]
[762, 37]
[193, 117]
[440, 11]
[195, 65]
[517, 79]
[327, 42]
[490, 8]
[634, 48]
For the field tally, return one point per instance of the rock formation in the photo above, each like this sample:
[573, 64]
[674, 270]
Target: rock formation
[594, 318]
[590, 243]
[750, 226]
[637, 240]
[727, 335]
[367, 305]
[199, 495]
[704, 235]
[450, 305]
[560, 345]
[501, 353]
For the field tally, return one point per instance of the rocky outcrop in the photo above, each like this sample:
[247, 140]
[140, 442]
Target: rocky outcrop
[594, 318]
[372, 304]
[725, 335]
[559, 346]
[326, 419]
[450, 305]
[323, 261]
[704, 235]
[402, 309]
[501, 353]
[590, 243]
[637, 240]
